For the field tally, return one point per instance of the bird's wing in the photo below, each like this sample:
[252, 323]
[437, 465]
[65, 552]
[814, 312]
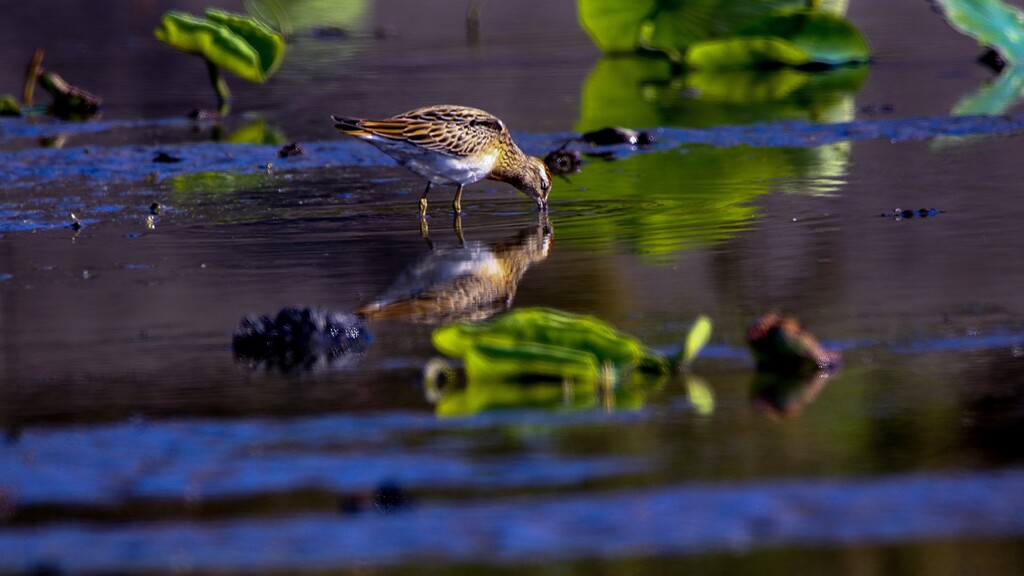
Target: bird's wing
[453, 130]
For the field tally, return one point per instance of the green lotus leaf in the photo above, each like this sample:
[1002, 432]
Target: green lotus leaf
[297, 16]
[837, 7]
[541, 357]
[745, 52]
[748, 87]
[214, 42]
[9, 106]
[669, 25]
[826, 38]
[526, 327]
[992, 22]
[269, 45]
[643, 92]
[626, 91]
[701, 397]
[257, 132]
[614, 25]
[696, 339]
[492, 395]
[190, 188]
[510, 361]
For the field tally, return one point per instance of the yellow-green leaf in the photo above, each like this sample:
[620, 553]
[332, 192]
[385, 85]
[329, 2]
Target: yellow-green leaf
[745, 52]
[212, 41]
[700, 395]
[697, 338]
[9, 106]
[824, 37]
[268, 44]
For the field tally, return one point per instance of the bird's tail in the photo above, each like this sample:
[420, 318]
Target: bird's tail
[351, 126]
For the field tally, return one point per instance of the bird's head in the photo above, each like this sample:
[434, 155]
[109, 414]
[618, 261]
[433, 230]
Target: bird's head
[535, 181]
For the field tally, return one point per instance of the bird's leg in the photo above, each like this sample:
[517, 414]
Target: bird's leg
[423, 200]
[425, 232]
[457, 203]
[458, 229]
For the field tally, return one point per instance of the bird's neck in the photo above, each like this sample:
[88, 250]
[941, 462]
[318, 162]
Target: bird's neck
[511, 165]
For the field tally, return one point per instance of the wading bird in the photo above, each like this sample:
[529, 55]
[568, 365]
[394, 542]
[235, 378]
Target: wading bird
[454, 145]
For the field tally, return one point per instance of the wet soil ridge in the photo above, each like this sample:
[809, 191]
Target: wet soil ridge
[35, 166]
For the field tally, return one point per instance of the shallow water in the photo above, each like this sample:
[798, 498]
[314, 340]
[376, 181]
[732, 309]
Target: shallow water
[134, 442]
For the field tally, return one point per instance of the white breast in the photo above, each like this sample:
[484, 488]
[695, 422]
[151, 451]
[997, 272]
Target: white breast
[436, 167]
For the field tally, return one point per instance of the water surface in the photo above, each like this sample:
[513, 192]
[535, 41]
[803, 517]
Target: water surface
[135, 442]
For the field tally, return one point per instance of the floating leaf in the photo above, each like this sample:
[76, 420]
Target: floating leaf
[669, 25]
[257, 132]
[826, 38]
[510, 361]
[541, 344]
[215, 42]
[706, 33]
[292, 17]
[9, 106]
[700, 395]
[640, 92]
[614, 25]
[696, 339]
[745, 52]
[269, 45]
[992, 22]
[547, 328]
[565, 358]
[791, 38]
[474, 396]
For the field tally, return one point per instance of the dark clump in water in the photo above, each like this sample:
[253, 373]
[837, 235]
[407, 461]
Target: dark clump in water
[780, 345]
[289, 150]
[563, 161]
[304, 338]
[615, 135]
[902, 214]
[165, 158]
[993, 60]
[387, 498]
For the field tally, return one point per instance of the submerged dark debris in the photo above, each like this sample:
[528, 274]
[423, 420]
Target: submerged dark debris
[993, 60]
[616, 135]
[901, 214]
[289, 150]
[300, 338]
[69, 102]
[387, 498]
[165, 158]
[781, 345]
[563, 161]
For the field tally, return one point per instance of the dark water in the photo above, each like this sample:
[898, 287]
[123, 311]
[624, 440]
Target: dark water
[135, 443]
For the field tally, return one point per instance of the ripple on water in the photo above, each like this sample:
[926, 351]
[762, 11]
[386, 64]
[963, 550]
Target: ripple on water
[676, 520]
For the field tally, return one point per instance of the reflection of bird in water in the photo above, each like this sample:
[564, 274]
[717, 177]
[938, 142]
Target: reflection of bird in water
[782, 396]
[472, 282]
[454, 145]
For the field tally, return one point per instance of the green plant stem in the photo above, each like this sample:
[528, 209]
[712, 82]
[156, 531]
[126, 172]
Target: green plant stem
[32, 72]
[220, 86]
